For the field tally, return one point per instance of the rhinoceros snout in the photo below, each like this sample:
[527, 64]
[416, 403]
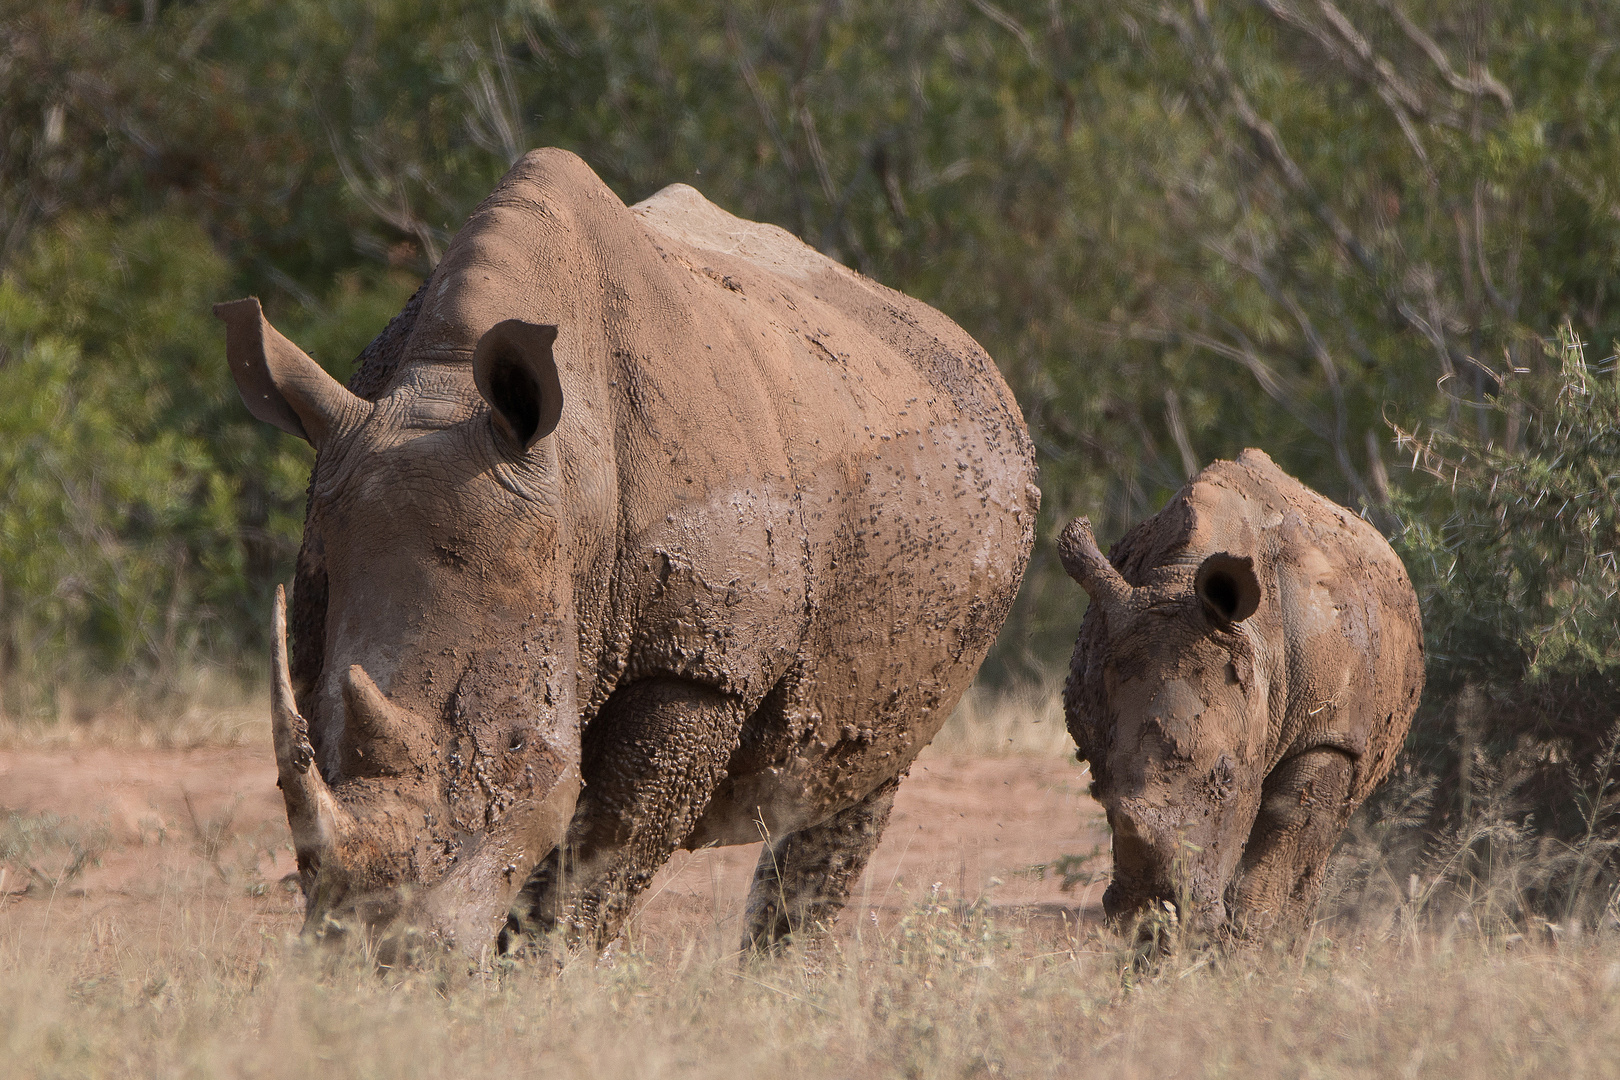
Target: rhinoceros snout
[1120, 903]
[1204, 916]
[1157, 871]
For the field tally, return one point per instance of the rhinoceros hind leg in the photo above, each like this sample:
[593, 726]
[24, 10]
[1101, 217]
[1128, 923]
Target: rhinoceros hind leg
[1303, 810]
[651, 760]
[804, 878]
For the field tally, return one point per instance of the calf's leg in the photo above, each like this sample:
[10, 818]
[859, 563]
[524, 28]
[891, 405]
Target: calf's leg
[651, 760]
[803, 879]
[1303, 809]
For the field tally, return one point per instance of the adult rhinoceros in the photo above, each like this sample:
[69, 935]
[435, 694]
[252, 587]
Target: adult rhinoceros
[640, 528]
[1244, 677]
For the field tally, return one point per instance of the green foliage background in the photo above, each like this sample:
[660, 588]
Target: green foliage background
[1181, 229]
[1515, 551]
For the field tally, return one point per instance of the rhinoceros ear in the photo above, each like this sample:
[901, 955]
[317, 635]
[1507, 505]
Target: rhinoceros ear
[517, 375]
[278, 382]
[1228, 588]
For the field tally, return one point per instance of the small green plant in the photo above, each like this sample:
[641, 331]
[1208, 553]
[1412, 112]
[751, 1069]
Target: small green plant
[51, 851]
[1076, 871]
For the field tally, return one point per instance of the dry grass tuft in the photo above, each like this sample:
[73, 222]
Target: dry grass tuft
[1024, 719]
[946, 992]
[213, 710]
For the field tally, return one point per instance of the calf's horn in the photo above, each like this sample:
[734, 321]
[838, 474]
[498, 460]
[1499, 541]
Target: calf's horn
[1087, 565]
[313, 812]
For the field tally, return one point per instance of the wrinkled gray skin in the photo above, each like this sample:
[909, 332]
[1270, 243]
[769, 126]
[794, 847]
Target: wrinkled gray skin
[639, 528]
[1244, 677]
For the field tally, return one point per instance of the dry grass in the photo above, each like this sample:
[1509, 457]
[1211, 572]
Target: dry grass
[202, 976]
[1025, 719]
[943, 993]
[211, 708]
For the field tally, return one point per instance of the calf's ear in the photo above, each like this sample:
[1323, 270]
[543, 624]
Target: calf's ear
[516, 373]
[278, 382]
[1228, 588]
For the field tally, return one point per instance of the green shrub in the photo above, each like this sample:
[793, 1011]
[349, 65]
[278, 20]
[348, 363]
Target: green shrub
[1180, 228]
[144, 515]
[1513, 549]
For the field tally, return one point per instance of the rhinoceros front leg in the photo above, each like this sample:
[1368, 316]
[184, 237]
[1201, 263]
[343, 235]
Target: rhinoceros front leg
[652, 758]
[1304, 808]
[803, 879]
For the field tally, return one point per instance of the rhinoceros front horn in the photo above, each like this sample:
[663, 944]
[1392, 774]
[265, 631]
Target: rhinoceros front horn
[316, 817]
[1087, 565]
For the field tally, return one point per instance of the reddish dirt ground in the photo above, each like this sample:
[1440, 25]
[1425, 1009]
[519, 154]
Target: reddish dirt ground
[205, 829]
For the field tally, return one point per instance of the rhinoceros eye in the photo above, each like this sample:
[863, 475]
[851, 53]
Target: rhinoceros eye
[1227, 587]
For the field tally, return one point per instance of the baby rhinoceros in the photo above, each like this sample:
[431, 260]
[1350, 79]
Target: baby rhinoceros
[1244, 677]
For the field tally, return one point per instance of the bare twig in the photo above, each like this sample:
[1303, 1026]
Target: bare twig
[1484, 83]
[1319, 352]
[1178, 432]
[767, 116]
[496, 123]
[398, 213]
[1011, 25]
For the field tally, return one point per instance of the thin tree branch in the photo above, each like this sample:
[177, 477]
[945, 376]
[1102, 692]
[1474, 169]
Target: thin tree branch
[1486, 83]
[767, 116]
[1011, 25]
[1178, 432]
[1319, 351]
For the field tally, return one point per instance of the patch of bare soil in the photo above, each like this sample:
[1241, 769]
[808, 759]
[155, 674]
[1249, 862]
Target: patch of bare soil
[92, 833]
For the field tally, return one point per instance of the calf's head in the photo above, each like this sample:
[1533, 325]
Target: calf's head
[1167, 700]
[428, 751]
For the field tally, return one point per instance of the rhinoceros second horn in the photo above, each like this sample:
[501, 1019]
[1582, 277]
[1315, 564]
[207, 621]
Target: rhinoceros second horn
[369, 710]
